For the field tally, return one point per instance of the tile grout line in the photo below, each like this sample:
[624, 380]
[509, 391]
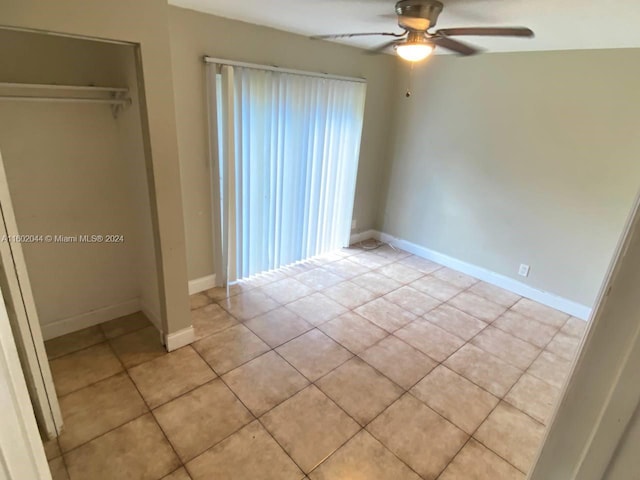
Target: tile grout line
[518, 409]
[542, 350]
[370, 270]
[125, 370]
[278, 443]
[487, 324]
[184, 463]
[64, 453]
[149, 411]
[186, 392]
[113, 428]
[115, 354]
[64, 460]
[327, 373]
[286, 275]
[431, 409]
[90, 384]
[313, 326]
[405, 391]
[364, 428]
[255, 418]
[500, 399]
[388, 334]
[361, 427]
[104, 340]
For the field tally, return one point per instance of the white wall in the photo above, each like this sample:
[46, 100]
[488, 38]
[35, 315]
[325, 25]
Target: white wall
[531, 158]
[195, 34]
[73, 170]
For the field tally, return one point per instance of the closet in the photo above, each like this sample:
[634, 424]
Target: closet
[73, 151]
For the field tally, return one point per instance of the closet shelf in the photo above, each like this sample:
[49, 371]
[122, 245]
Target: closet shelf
[117, 97]
[45, 86]
[112, 101]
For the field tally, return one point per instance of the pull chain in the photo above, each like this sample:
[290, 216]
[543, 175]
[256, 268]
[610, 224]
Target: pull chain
[408, 94]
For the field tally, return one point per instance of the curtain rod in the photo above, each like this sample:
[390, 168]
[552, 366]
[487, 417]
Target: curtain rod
[272, 68]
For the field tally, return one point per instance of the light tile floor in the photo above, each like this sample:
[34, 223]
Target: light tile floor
[368, 365]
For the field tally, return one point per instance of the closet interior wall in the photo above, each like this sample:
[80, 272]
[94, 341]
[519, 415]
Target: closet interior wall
[74, 169]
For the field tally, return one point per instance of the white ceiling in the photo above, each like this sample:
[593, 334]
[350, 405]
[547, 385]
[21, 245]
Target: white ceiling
[558, 24]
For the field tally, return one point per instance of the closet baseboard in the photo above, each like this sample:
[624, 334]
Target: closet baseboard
[179, 339]
[89, 319]
[201, 284]
[552, 300]
[171, 341]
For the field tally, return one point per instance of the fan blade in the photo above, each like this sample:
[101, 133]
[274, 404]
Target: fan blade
[381, 48]
[487, 31]
[454, 45]
[349, 35]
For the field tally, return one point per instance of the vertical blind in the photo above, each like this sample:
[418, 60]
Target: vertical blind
[287, 156]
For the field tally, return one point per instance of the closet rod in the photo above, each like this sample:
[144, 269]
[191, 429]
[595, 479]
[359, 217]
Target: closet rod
[44, 86]
[109, 101]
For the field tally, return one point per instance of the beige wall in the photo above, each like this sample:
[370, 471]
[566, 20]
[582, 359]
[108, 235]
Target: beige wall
[195, 34]
[532, 158]
[602, 390]
[551, 193]
[143, 22]
[135, 173]
[73, 169]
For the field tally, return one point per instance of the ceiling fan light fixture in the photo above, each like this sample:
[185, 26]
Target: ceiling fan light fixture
[414, 51]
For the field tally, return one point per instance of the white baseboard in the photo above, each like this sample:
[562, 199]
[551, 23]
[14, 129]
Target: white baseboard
[546, 298]
[179, 339]
[171, 341]
[201, 284]
[361, 236]
[89, 319]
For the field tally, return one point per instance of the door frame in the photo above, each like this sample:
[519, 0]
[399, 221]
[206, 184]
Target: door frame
[18, 296]
[21, 448]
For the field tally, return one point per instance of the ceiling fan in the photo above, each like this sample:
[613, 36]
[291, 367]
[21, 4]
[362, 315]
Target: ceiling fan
[416, 42]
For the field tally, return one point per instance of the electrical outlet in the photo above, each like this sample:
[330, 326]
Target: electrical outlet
[354, 224]
[524, 270]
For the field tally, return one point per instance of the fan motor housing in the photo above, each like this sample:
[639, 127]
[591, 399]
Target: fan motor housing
[418, 15]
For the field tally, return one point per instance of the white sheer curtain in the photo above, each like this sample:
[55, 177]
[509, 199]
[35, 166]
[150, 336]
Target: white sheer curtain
[288, 148]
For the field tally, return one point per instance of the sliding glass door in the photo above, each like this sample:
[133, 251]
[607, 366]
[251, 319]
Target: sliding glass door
[287, 157]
